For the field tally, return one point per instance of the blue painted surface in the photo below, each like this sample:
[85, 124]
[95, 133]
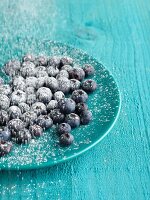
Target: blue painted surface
[117, 33]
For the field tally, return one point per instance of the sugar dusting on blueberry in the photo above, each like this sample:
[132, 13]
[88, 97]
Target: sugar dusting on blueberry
[44, 92]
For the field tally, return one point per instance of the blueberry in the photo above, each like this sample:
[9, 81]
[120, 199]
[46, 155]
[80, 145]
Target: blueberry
[30, 90]
[74, 84]
[29, 118]
[58, 95]
[66, 67]
[5, 148]
[41, 74]
[52, 70]
[77, 73]
[3, 118]
[4, 102]
[1, 81]
[36, 130]
[52, 105]
[66, 105]
[5, 135]
[14, 112]
[52, 83]
[79, 96]
[17, 97]
[5, 89]
[44, 95]
[89, 85]
[23, 137]
[40, 68]
[39, 108]
[66, 61]
[63, 128]
[31, 81]
[57, 116]
[66, 139]
[12, 68]
[62, 73]
[41, 60]
[19, 83]
[81, 107]
[86, 117]
[15, 125]
[44, 121]
[29, 57]
[54, 61]
[28, 69]
[31, 98]
[23, 107]
[88, 69]
[41, 82]
[73, 120]
[64, 84]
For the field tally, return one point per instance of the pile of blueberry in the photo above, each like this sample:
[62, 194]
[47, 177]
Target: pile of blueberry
[43, 91]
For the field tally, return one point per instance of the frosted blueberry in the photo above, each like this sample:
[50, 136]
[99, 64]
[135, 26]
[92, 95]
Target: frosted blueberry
[5, 89]
[3, 118]
[35, 130]
[44, 94]
[17, 97]
[88, 69]
[52, 83]
[15, 125]
[54, 61]
[29, 57]
[41, 81]
[66, 61]
[31, 98]
[77, 73]
[39, 108]
[28, 69]
[41, 74]
[40, 68]
[79, 96]
[30, 90]
[31, 81]
[58, 95]
[64, 84]
[5, 148]
[23, 107]
[19, 83]
[44, 121]
[14, 112]
[52, 70]
[62, 73]
[5, 134]
[29, 118]
[12, 68]
[74, 84]
[66, 67]
[1, 81]
[4, 102]
[52, 105]
[23, 137]
[41, 60]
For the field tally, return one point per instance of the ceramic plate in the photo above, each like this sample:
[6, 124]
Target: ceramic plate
[104, 104]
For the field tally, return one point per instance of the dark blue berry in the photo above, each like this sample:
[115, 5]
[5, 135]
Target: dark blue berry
[5, 148]
[44, 121]
[81, 107]
[86, 117]
[89, 85]
[66, 105]
[63, 128]
[79, 96]
[88, 69]
[77, 73]
[4, 118]
[57, 116]
[66, 139]
[36, 130]
[73, 120]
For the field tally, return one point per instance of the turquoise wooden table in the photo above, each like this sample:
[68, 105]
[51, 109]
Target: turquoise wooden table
[117, 33]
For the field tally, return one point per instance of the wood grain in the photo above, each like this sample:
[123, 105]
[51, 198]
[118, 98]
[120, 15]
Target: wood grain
[117, 33]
